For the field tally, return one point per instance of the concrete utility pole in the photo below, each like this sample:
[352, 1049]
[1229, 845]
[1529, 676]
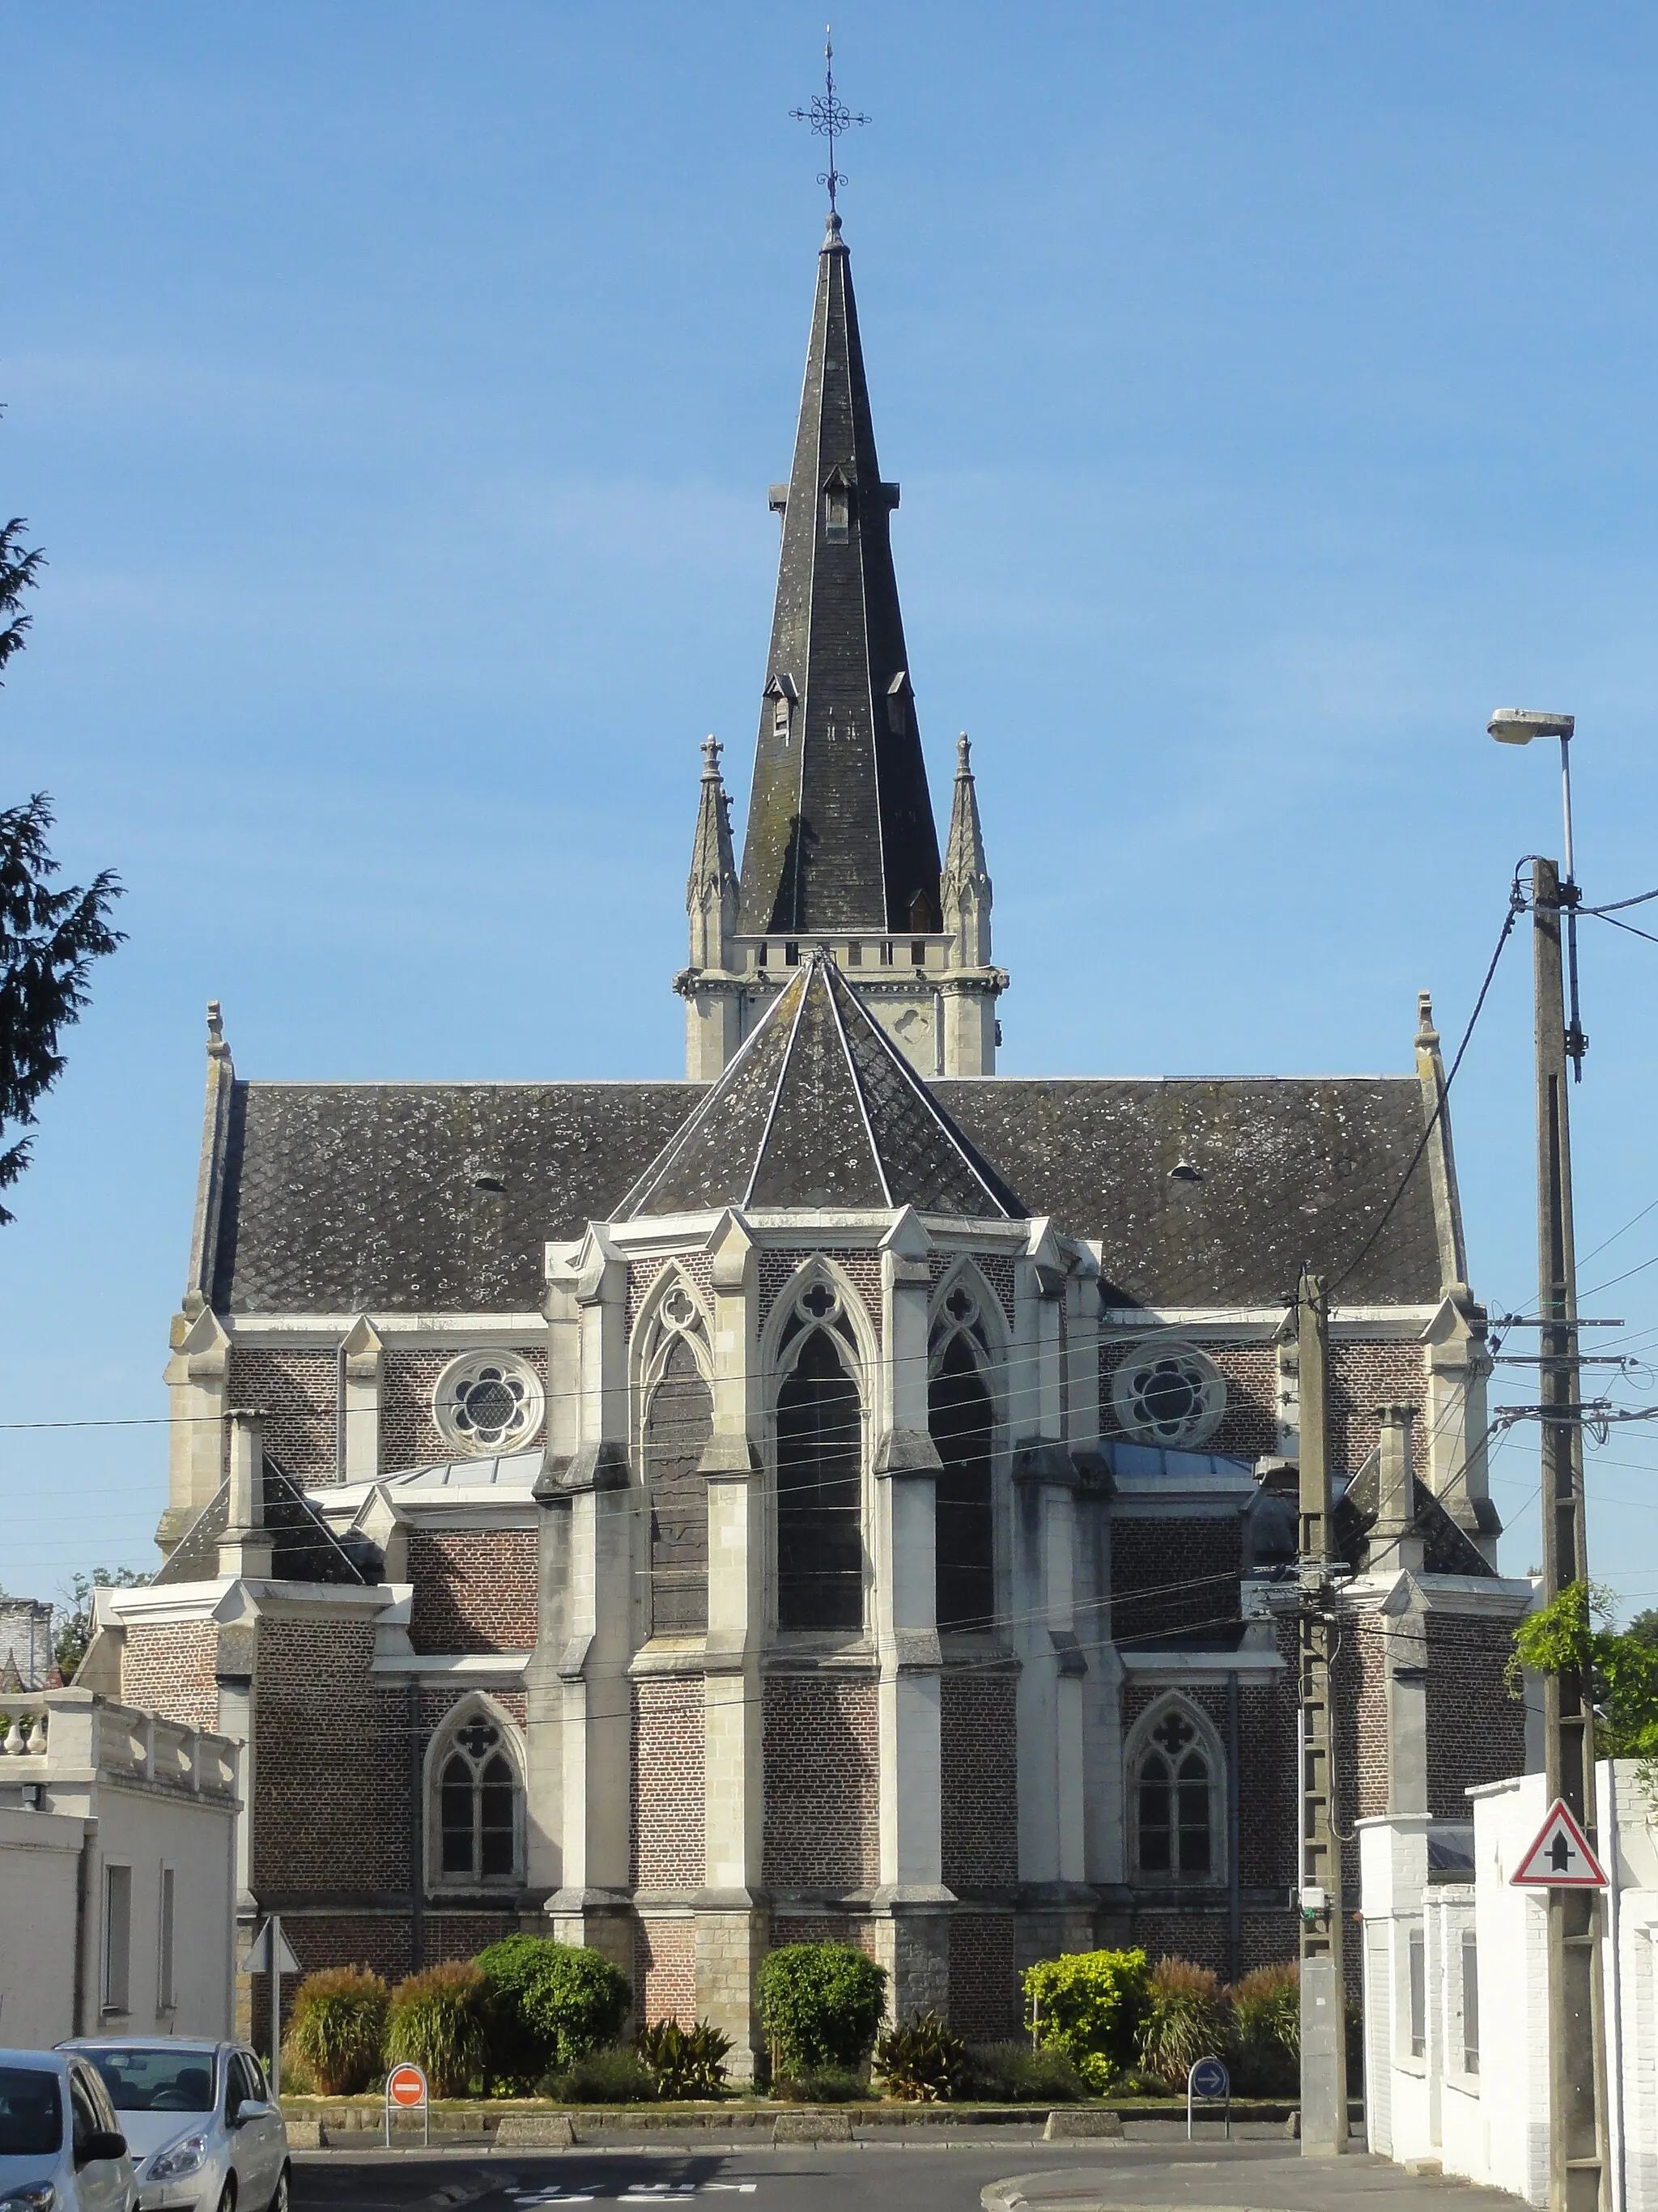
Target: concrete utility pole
[1578, 2172]
[1323, 1995]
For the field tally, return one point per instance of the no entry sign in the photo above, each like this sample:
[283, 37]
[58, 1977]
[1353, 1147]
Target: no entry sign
[406, 2092]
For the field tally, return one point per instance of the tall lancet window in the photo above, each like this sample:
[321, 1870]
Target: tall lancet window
[820, 1542]
[476, 1813]
[961, 1421]
[677, 1425]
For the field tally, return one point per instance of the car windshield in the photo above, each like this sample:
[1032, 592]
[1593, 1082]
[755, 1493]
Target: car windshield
[30, 2112]
[156, 2079]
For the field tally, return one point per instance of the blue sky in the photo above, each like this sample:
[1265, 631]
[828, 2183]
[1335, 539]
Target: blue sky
[396, 389]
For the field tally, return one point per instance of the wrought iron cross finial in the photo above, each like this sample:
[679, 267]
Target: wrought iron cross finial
[829, 118]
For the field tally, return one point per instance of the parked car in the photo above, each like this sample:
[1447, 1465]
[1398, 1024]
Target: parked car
[61, 2149]
[204, 2129]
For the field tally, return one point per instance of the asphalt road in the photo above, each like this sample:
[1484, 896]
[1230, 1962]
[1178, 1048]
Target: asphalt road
[835, 2178]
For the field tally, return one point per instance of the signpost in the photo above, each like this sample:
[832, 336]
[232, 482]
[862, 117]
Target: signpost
[1559, 1857]
[271, 1953]
[1209, 2081]
[406, 2092]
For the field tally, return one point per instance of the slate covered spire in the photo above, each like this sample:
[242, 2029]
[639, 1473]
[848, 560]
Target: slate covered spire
[711, 887]
[841, 833]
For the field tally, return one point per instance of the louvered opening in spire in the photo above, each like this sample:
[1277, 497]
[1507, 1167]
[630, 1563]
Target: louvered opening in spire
[841, 834]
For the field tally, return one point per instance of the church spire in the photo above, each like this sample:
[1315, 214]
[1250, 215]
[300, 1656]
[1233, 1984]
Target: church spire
[840, 832]
[711, 887]
[965, 885]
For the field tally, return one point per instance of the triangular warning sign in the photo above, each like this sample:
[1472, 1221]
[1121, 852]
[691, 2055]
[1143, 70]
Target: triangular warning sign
[1561, 1858]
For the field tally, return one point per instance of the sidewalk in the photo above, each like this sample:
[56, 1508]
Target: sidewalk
[1235, 2177]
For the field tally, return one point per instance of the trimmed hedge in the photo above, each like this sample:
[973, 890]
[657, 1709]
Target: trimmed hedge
[549, 2005]
[1087, 2004]
[821, 2004]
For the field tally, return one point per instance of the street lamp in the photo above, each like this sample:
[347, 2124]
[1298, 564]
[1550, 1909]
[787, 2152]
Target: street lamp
[1518, 726]
[1578, 2178]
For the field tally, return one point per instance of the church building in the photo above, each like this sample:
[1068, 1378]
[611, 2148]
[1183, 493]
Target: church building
[847, 1492]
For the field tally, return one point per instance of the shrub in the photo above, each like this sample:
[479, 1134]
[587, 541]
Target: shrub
[549, 2004]
[685, 2062]
[1014, 2073]
[437, 2019]
[336, 2034]
[1184, 2017]
[925, 2063]
[1087, 2005]
[603, 2077]
[1266, 2023]
[821, 2004]
[820, 2085]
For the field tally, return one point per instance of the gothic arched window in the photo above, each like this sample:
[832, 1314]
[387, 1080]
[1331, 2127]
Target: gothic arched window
[679, 1424]
[1175, 1799]
[961, 1421]
[478, 1805]
[820, 1543]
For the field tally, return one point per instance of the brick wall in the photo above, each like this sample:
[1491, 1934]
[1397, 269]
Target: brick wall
[1360, 1699]
[1175, 1574]
[644, 1275]
[996, 1268]
[334, 1758]
[664, 1971]
[409, 1436]
[822, 1783]
[1204, 1936]
[1268, 1813]
[1361, 1377]
[862, 1269]
[168, 1669]
[823, 1928]
[475, 1589]
[298, 1392]
[979, 1788]
[986, 2003]
[380, 1940]
[666, 1843]
[1476, 1725]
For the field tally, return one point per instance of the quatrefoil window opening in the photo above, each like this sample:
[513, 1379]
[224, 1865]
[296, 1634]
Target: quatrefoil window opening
[961, 1307]
[819, 1303]
[488, 1401]
[679, 1308]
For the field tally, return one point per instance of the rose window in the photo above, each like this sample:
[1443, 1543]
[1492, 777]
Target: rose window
[1167, 1393]
[490, 1402]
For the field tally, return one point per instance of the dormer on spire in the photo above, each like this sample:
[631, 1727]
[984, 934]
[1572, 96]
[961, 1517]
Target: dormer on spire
[713, 1013]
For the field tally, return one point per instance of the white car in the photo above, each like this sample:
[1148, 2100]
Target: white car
[61, 2149]
[204, 2131]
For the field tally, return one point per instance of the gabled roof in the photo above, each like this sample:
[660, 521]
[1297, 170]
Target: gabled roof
[819, 1108]
[840, 832]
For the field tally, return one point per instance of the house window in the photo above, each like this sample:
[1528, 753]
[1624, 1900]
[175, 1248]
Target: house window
[677, 1426]
[791, 955]
[1174, 1796]
[961, 1420]
[886, 953]
[917, 953]
[165, 1996]
[1470, 2003]
[117, 1938]
[1416, 1962]
[478, 1805]
[854, 955]
[820, 1545]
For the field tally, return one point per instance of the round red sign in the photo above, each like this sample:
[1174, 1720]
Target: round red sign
[406, 2085]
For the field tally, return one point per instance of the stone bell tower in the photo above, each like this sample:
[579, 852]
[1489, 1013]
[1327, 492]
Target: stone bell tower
[841, 849]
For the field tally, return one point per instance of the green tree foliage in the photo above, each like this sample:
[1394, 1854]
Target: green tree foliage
[437, 2019]
[549, 2005]
[20, 572]
[1644, 1628]
[821, 2004]
[1620, 1673]
[74, 1614]
[1087, 2004]
[337, 2031]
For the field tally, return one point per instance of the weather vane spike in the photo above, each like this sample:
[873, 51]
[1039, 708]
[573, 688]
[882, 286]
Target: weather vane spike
[829, 118]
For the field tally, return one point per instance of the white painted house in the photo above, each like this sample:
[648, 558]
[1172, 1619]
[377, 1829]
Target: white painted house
[117, 1871]
[1456, 1989]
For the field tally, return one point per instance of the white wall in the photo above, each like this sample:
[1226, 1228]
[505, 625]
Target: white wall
[148, 1833]
[40, 1858]
[1490, 2122]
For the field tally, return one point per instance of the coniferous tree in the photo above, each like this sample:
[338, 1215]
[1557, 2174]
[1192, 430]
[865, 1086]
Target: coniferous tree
[49, 938]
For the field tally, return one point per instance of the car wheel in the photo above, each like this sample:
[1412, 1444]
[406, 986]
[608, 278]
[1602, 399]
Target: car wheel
[279, 2198]
[227, 2196]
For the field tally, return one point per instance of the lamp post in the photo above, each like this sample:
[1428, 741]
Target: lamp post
[1577, 2099]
